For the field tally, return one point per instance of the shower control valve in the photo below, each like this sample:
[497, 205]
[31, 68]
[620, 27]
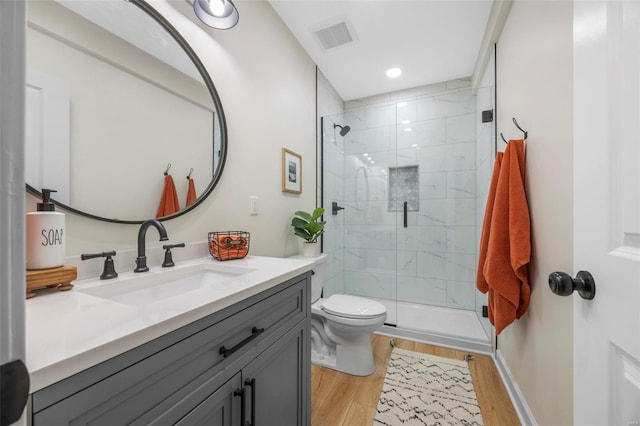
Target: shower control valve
[335, 208]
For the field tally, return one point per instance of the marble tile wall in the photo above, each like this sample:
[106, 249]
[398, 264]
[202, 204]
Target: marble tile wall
[433, 260]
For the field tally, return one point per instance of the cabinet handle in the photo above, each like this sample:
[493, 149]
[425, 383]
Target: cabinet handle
[255, 332]
[242, 394]
[252, 384]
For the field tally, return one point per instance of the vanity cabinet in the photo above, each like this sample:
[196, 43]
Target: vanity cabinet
[249, 361]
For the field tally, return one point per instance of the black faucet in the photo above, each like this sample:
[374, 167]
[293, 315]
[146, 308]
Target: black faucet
[141, 260]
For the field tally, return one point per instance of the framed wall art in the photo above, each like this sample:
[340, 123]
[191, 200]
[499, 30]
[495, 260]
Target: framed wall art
[291, 172]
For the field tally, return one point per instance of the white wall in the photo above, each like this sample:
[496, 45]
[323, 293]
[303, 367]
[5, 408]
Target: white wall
[534, 79]
[268, 96]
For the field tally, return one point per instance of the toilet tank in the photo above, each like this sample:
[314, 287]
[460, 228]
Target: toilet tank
[319, 275]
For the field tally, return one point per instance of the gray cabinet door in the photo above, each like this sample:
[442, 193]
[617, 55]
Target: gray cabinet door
[222, 408]
[279, 380]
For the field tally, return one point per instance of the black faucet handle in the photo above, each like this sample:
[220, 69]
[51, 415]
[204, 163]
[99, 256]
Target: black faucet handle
[94, 255]
[168, 258]
[109, 270]
[170, 246]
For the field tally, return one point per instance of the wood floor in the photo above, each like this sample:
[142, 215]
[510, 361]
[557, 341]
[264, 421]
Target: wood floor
[339, 399]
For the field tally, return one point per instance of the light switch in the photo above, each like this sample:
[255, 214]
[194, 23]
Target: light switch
[253, 205]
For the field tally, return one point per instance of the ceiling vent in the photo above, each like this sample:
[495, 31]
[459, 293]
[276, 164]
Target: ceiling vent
[336, 34]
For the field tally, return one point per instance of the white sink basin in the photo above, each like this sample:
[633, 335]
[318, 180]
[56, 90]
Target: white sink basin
[151, 287]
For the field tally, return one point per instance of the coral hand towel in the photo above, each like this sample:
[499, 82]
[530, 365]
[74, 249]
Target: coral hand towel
[169, 201]
[191, 192]
[505, 246]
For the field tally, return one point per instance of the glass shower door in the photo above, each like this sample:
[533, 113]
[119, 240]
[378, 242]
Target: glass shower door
[434, 185]
[333, 192]
[368, 249]
[405, 173]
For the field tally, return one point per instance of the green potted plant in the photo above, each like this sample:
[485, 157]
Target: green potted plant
[309, 227]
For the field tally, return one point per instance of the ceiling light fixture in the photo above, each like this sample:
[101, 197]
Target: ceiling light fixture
[394, 72]
[406, 121]
[219, 14]
[401, 104]
[408, 129]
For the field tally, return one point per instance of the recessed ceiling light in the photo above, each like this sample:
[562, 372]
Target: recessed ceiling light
[366, 154]
[408, 129]
[405, 121]
[372, 162]
[401, 104]
[394, 72]
[415, 145]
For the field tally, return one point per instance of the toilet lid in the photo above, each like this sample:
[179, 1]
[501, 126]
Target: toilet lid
[348, 306]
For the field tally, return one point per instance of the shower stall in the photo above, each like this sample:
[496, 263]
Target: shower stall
[405, 175]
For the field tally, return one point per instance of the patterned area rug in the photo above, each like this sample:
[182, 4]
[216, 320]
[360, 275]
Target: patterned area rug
[421, 389]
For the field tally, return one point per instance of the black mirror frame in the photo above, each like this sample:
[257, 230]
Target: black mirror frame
[154, 14]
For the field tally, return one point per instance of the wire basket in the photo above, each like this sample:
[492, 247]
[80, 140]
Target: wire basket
[228, 245]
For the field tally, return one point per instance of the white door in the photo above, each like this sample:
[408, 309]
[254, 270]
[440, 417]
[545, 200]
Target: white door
[607, 211]
[47, 134]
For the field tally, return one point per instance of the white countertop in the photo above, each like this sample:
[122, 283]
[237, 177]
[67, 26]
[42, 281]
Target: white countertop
[68, 332]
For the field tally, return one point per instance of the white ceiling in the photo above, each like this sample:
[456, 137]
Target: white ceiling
[430, 40]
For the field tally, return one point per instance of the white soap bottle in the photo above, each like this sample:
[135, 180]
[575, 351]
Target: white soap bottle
[45, 235]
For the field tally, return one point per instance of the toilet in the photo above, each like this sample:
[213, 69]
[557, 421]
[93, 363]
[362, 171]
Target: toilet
[341, 326]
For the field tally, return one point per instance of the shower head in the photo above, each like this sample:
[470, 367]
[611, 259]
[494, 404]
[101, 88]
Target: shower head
[343, 129]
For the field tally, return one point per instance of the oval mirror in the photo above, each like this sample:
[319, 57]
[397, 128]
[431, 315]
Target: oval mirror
[116, 98]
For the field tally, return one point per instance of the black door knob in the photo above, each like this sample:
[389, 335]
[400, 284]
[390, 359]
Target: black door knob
[563, 285]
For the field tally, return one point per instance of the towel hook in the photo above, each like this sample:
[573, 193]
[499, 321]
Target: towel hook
[189, 175]
[526, 134]
[166, 172]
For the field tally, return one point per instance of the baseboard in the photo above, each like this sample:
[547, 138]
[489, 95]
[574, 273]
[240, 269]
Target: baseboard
[517, 399]
[463, 344]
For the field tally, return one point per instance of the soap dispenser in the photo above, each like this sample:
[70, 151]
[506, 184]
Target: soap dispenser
[45, 235]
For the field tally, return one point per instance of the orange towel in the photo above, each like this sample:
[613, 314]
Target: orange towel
[225, 247]
[505, 245]
[169, 200]
[191, 192]
[481, 283]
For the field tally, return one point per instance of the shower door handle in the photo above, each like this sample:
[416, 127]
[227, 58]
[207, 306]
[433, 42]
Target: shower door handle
[406, 207]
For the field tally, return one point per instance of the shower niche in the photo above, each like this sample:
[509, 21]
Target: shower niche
[404, 187]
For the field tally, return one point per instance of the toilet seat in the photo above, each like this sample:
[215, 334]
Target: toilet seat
[347, 306]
